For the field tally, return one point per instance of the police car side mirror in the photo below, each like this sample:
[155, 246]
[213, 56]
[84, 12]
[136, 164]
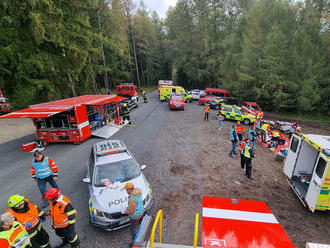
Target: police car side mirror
[86, 180]
[142, 167]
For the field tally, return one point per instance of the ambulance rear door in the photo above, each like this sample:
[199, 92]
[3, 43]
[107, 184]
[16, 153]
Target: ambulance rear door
[293, 154]
[315, 187]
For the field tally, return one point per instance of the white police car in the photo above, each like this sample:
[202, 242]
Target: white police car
[109, 168]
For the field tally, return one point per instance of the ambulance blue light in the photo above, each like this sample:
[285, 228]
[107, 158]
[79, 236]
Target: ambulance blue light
[326, 152]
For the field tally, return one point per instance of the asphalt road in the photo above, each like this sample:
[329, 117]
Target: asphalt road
[15, 177]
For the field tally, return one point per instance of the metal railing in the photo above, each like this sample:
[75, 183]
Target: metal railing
[196, 230]
[159, 218]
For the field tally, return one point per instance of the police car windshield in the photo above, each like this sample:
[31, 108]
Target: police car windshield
[124, 170]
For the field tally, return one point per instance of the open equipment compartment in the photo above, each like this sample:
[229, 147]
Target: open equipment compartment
[307, 167]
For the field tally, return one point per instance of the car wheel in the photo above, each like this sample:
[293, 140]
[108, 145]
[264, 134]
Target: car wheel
[246, 121]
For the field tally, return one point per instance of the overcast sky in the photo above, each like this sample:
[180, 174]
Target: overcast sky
[160, 6]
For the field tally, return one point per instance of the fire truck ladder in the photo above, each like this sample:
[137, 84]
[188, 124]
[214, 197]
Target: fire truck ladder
[159, 222]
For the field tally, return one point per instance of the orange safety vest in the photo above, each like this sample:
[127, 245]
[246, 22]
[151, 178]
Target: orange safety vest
[32, 215]
[240, 129]
[59, 217]
[207, 109]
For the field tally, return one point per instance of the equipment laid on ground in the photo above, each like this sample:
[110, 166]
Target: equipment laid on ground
[74, 119]
[307, 167]
[167, 91]
[4, 105]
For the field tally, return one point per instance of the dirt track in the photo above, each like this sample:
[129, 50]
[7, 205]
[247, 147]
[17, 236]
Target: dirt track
[194, 155]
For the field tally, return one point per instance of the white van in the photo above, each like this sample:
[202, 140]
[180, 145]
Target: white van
[307, 166]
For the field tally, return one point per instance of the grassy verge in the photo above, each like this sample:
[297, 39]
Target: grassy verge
[320, 119]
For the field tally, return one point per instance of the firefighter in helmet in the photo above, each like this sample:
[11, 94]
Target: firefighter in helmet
[63, 216]
[30, 217]
[126, 113]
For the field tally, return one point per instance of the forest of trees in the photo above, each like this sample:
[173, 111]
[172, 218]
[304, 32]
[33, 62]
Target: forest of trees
[275, 52]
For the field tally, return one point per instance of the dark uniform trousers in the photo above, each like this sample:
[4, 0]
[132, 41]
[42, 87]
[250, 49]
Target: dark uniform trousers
[243, 161]
[248, 171]
[41, 239]
[68, 235]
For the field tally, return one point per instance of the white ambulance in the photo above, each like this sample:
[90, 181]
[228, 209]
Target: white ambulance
[307, 166]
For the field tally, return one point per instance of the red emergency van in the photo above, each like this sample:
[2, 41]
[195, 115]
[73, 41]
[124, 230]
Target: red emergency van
[71, 120]
[127, 90]
[217, 92]
[4, 105]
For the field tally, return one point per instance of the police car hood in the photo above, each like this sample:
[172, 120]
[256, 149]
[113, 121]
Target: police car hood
[115, 199]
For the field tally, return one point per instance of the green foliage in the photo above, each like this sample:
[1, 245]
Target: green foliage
[274, 52]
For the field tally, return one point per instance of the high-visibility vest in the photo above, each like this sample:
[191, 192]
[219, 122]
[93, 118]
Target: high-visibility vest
[59, 217]
[207, 109]
[31, 216]
[17, 236]
[42, 169]
[276, 134]
[139, 206]
[247, 153]
[242, 147]
[240, 129]
[264, 127]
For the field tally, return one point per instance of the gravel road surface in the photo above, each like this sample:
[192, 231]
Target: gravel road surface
[186, 158]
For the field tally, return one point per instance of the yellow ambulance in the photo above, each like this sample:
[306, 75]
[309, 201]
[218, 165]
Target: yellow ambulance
[165, 93]
[307, 167]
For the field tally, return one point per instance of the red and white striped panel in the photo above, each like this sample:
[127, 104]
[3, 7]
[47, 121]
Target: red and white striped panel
[235, 223]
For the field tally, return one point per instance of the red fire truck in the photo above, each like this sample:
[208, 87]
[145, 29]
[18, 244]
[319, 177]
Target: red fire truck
[127, 90]
[71, 120]
[4, 105]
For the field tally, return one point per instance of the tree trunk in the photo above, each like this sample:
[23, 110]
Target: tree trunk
[72, 85]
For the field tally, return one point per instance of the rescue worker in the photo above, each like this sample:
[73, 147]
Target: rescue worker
[12, 233]
[233, 139]
[220, 119]
[240, 130]
[63, 217]
[253, 136]
[257, 125]
[241, 152]
[248, 155]
[135, 208]
[293, 129]
[206, 112]
[264, 128]
[29, 216]
[144, 95]
[276, 136]
[44, 170]
[126, 113]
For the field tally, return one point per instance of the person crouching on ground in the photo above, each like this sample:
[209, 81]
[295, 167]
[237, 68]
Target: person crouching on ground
[135, 208]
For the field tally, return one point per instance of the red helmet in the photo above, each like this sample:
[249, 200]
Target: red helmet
[52, 193]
